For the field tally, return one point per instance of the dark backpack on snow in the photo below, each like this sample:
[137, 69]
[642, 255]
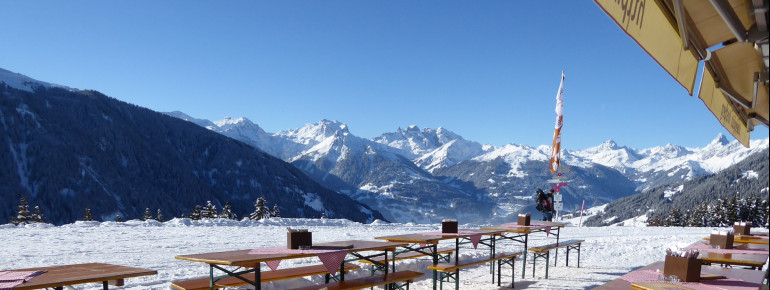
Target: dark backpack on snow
[540, 198]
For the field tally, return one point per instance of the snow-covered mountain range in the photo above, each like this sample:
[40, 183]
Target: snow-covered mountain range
[410, 175]
[69, 151]
[397, 171]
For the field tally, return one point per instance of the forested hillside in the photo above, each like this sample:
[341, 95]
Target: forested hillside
[747, 179]
[66, 150]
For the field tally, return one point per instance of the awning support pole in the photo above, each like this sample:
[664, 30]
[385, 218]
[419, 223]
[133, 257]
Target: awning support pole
[731, 19]
[680, 20]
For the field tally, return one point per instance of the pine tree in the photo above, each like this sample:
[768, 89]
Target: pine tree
[23, 216]
[731, 210]
[147, 215]
[87, 215]
[674, 218]
[764, 214]
[756, 212]
[276, 211]
[745, 209]
[37, 216]
[196, 213]
[227, 212]
[209, 211]
[697, 217]
[654, 220]
[716, 213]
[260, 210]
[685, 218]
[159, 217]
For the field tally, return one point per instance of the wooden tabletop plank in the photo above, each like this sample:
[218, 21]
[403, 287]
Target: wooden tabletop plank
[65, 275]
[434, 238]
[244, 259]
[538, 226]
[751, 260]
[751, 276]
[746, 239]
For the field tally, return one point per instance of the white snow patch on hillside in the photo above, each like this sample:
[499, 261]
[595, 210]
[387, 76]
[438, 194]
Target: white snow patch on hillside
[313, 201]
[669, 192]
[750, 174]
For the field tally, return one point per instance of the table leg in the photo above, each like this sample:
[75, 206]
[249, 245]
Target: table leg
[457, 251]
[579, 255]
[498, 273]
[435, 262]
[211, 277]
[547, 257]
[394, 262]
[386, 263]
[524, 259]
[492, 264]
[556, 256]
[258, 278]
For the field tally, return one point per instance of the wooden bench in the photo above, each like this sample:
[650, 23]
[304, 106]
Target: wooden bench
[443, 254]
[451, 271]
[266, 276]
[545, 250]
[404, 277]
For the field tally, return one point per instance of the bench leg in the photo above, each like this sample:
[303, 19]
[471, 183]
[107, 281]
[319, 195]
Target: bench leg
[500, 262]
[513, 272]
[579, 255]
[567, 256]
[457, 279]
[534, 263]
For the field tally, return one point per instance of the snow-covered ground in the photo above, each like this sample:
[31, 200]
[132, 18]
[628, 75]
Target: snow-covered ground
[608, 252]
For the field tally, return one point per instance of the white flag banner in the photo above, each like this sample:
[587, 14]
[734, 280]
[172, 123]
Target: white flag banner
[556, 148]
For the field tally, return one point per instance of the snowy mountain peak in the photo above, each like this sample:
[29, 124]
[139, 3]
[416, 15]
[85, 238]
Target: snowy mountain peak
[311, 134]
[609, 144]
[243, 125]
[414, 142]
[720, 140]
[200, 122]
[22, 82]
[229, 120]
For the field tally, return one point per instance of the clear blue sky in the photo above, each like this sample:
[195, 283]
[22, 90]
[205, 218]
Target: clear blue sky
[488, 71]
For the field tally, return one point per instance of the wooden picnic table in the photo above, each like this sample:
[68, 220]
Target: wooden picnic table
[521, 235]
[242, 258]
[427, 243]
[746, 276]
[754, 260]
[750, 239]
[67, 275]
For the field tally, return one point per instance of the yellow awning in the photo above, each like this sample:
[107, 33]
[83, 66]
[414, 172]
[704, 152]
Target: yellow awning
[652, 30]
[720, 105]
[730, 36]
